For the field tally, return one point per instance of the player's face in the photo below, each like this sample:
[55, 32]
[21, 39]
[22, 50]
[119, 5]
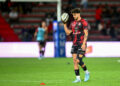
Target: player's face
[76, 15]
[43, 24]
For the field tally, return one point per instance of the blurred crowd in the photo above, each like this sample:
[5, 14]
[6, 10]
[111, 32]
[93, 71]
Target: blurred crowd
[107, 20]
[14, 9]
[20, 7]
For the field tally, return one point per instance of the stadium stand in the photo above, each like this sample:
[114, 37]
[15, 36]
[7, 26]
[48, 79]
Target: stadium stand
[32, 19]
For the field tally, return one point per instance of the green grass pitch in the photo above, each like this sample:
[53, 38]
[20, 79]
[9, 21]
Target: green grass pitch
[58, 72]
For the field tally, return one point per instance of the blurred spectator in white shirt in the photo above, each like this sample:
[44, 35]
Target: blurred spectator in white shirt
[13, 16]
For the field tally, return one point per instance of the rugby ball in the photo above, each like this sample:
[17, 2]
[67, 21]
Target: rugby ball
[64, 17]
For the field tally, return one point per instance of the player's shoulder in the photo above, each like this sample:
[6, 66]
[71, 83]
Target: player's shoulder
[40, 28]
[84, 21]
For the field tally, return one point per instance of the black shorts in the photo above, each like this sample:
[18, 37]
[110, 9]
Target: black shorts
[77, 50]
[42, 43]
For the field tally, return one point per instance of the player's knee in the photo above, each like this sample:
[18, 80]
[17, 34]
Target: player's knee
[81, 63]
[74, 60]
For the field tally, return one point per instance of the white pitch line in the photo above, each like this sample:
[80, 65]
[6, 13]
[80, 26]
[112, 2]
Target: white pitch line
[45, 81]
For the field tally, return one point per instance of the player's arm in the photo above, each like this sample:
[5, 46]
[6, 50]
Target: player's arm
[85, 36]
[85, 29]
[68, 32]
[35, 34]
[46, 33]
[85, 39]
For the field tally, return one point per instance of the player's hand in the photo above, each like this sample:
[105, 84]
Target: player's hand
[64, 22]
[83, 47]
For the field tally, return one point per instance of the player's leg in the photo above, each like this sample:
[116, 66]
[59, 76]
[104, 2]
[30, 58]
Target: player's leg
[76, 66]
[82, 64]
[43, 47]
[40, 48]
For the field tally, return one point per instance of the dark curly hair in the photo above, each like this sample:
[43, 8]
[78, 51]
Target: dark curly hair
[75, 10]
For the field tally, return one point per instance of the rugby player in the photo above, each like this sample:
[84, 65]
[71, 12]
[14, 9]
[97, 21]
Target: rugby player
[78, 30]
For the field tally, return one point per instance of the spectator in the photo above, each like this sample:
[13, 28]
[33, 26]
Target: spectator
[49, 17]
[106, 11]
[102, 28]
[28, 8]
[72, 2]
[114, 15]
[1, 39]
[84, 4]
[112, 32]
[50, 29]
[6, 6]
[98, 18]
[27, 34]
[13, 16]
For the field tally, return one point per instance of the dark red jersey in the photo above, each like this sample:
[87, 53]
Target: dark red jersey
[78, 28]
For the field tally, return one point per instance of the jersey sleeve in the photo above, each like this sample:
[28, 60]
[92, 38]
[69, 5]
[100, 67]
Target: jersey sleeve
[85, 24]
